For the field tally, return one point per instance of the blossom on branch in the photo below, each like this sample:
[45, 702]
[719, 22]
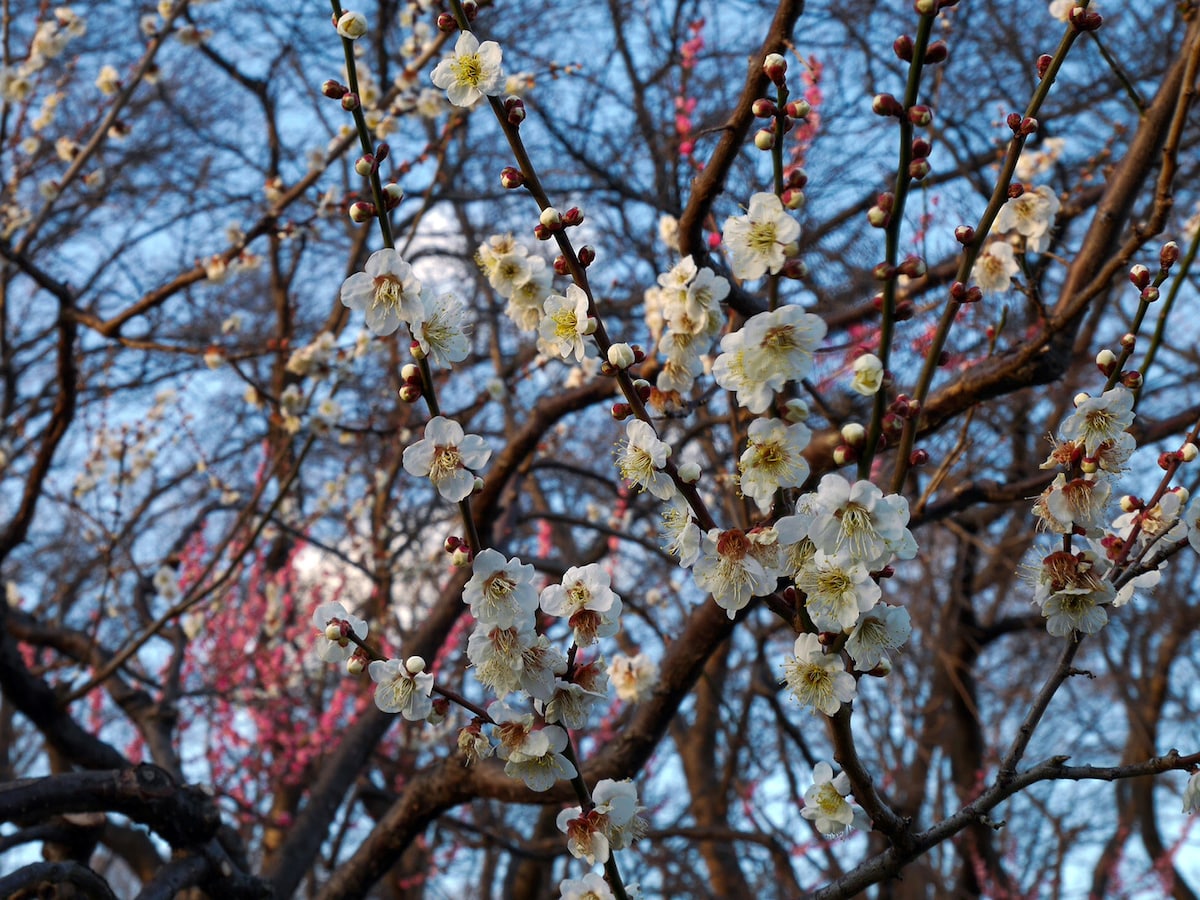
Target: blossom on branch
[818, 679]
[387, 290]
[641, 457]
[447, 455]
[760, 241]
[336, 625]
[825, 803]
[472, 72]
[405, 687]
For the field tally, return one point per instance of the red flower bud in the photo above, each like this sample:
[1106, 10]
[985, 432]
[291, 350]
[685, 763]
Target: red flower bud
[334, 90]
[903, 46]
[964, 234]
[1043, 64]
[938, 52]
[511, 178]
[587, 255]
[920, 115]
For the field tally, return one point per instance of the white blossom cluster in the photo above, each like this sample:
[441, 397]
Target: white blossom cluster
[1073, 586]
[1027, 219]
[520, 278]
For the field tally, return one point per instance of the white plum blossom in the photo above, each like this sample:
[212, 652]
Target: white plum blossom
[591, 886]
[728, 570]
[868, 375]
[773, 459]
[402, 687]
[573, 701]
[586, 600]
[532, 754]
[760, 241]
[501, 591]
[995, 267]
[565, 326]
[1065, 504]
[1031, 215]
[352, 25]
[685, 535]
[818, 679]
[336, 625]
[387, 290]
[474, 71]
[641, 457]
[729, 371]
[825, 802]
[633, 677]
[515, 658]
[859, 521]
[1191, 518]
[447, 456]
[883, 629]
[1191, 793]
[1099, 419]
[837, 591]
[1071, 590]
[441, 329]
[780, 344]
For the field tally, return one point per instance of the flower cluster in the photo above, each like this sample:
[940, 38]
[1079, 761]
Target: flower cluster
[523, 280]
[688, 302]
[768, 351]
[612, 823]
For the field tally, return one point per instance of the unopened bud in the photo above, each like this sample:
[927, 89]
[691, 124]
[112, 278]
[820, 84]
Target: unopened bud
[542, 233]
[882, 669]
[446, 23]
[621, 411]
[416, 350]
[1169, 254]
[796, 178]
[912, 267]
[1084, 20]
[561, 266]
[903, 47]
[764, 138]
[1106, 361]
[1128, 340]
[964, 234]
[352, 25]
[918, 457]
[452, 543]
[514, 108]
[461, 558]
[470, 9]
[844, 454]
[550, 217]
[393, 193]
[365, 165]
[883, 271]
[920, 115]
[1043, 65]
[1130, 503]
[926, 7]
[590, 325]
[410, 393]
[854, 434]
[362, 211]
[511, 178]
[333, 631]
[689, 473]
[415, 665]
[1089, 465]
[334, 90]
[1150, 294]
[775, 67]
[411, 373]
[1132, 380]
[798, 109]
[1167, 459]
[764, 108]
[886, 105]
[620, 356]
[572, 217]
[1014, 122]
[349, 101]
[1188, 452]
[1081, 398]
[878, 218]
[792, 198]
[644, 389]
[794, 411]
[938, 52]
[919, 169]
[587, 255]
[921, 148]
[355, 665]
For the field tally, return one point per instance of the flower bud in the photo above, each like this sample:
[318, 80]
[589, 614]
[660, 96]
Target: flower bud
[854, 434]
[362, 211]
[589, 325]
[1169, 254]
[355, 664]
[514, 108]
[452, 543]
[1084, 20]
[918, 457]
[878, 218]
[461, 558]
[411, 373]
[886, 105]
[1043, 65]
[938, 52]
[764, 138]
[1089, 465]
[926, 7]
[572, 217]
[1029, 125]
[352, 25]
[620, 356]
[349, 101]
[796, 178]
[794, 411]
[1188, 452]
[1106, 361]
[410, 393]
[883, 271]
[1128, 340]
[764, 108]
[775, 67]
[471, 9]
[1014, 122]
[561, 266]
[587, 255]
[912, 267]
[1081, 398]
[905, 310]
[511, 178]
[1132, 380]
[1150, 294]
[882, 669]
[333, 631]
[550, 217]
[689, 473]
[393, 193]
[798, 109]
[334, 90]
[1166, 460]
[921, 148]
[415, 665]
[416, 350]
[843, 455]
[365, 165]
[918, 169]
[621, 411]
[446, 23]
[920, 115]
[964, 234]
[542, 233]
[903, 47]
[1130, 503]
[644, 389]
